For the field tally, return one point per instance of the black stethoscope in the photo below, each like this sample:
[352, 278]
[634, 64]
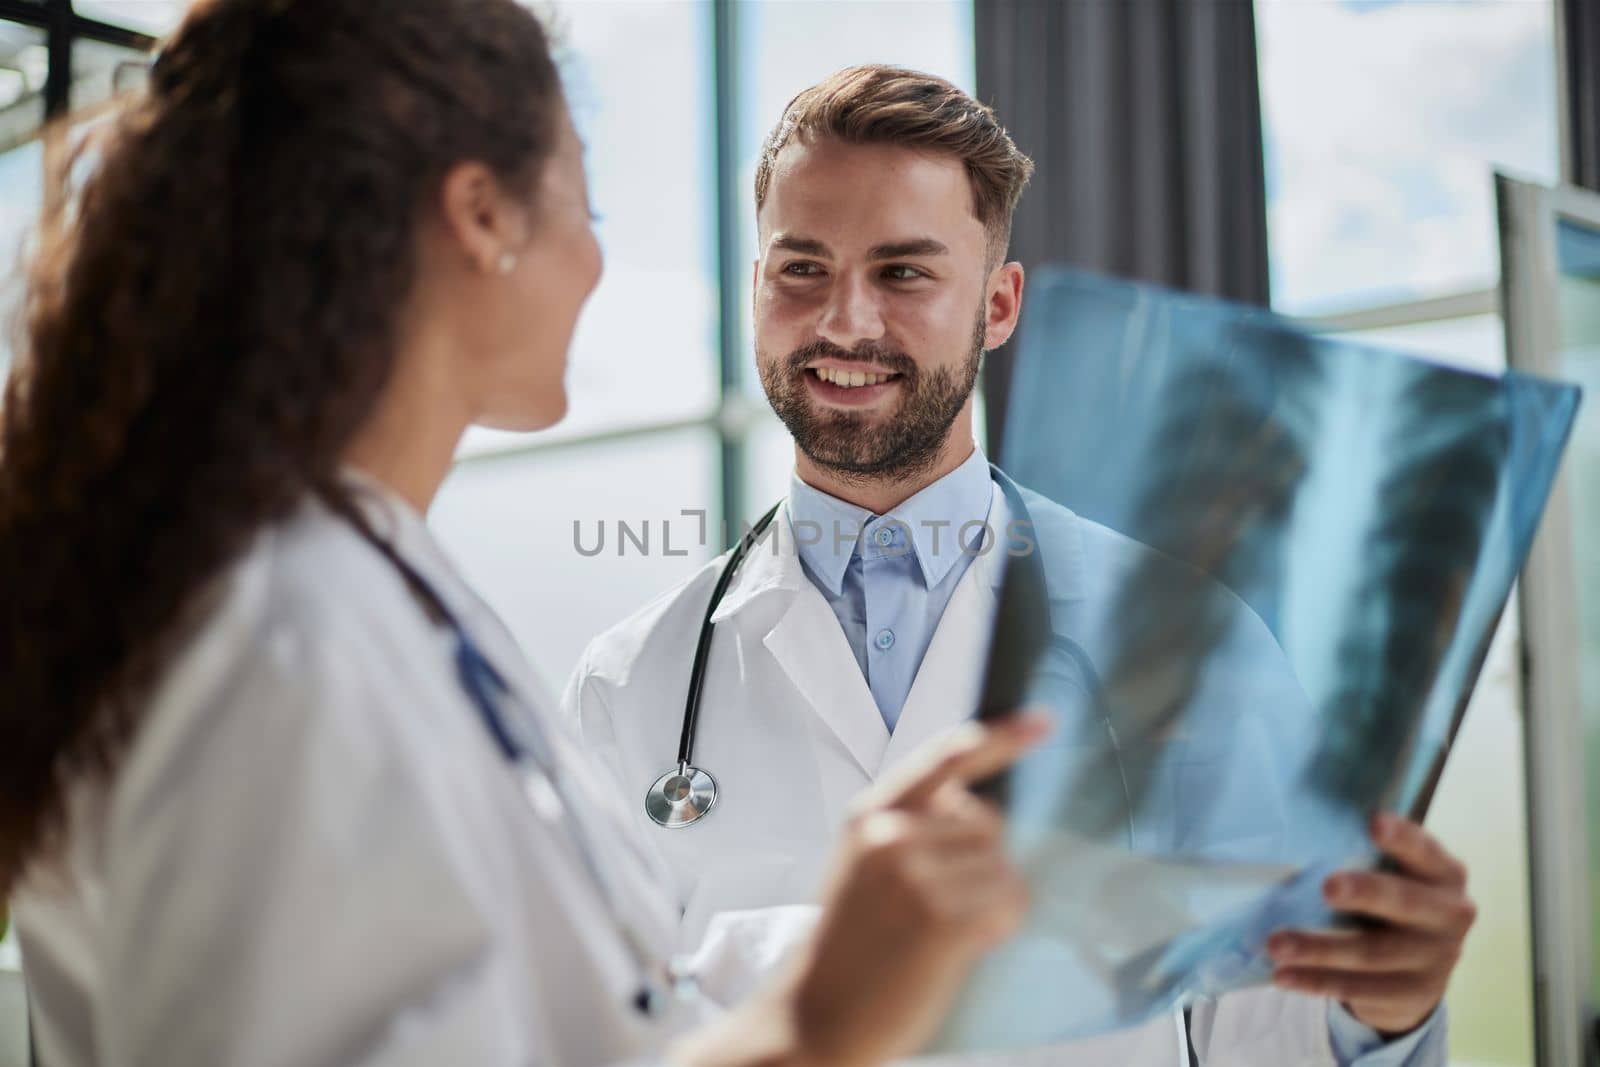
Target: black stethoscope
[523, 742]
[683, 795]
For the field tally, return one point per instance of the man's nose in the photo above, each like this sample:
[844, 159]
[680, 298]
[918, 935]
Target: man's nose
[852, 314]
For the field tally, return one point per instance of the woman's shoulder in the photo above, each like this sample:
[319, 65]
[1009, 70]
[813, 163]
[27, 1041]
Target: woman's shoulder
[292, 645]
[315, 571]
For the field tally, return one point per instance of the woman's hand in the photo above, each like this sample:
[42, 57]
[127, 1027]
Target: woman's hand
[920, 889]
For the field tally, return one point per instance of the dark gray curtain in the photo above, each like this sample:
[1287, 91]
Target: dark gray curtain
[1580, 29]
[1143, 118]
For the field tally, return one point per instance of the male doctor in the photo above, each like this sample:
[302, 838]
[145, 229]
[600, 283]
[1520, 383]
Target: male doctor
[884, 200]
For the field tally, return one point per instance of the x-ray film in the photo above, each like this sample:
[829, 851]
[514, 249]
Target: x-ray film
[1257, 578]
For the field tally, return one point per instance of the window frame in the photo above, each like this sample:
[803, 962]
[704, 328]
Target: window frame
[732, 417]
[1548, 600]
[63, 27]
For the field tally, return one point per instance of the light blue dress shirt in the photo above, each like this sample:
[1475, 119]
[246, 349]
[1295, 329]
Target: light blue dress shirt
[888, 578]
[1356, 1044]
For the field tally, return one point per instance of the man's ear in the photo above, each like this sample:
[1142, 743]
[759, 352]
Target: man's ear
[1002, 304]
[477, 215]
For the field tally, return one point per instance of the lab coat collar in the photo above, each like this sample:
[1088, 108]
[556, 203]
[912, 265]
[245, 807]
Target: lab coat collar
[805, 638]
[393, 519]
[773, 565]
[1056, 534]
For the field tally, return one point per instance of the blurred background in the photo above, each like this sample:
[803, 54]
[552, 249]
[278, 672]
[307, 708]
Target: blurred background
[1332, 159]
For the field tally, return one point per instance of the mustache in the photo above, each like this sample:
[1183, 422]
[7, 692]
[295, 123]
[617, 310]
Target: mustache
[867, 352]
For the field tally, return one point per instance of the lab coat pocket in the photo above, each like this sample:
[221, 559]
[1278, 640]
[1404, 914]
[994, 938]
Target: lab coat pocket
[744, 915]
[741, 948]
[739, 880]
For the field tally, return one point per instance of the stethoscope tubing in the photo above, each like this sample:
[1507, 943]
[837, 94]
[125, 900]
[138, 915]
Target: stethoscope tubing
[528, 751]
[702, 648]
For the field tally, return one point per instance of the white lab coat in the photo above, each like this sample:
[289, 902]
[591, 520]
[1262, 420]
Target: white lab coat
[791, 731]
[313, 854]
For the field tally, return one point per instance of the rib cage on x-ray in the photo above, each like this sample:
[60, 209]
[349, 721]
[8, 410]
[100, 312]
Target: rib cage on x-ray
[1211, 469]
[1220, 474]
[1284, 556]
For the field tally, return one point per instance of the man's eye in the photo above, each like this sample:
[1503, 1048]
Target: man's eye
[802, 269]
[903, 273]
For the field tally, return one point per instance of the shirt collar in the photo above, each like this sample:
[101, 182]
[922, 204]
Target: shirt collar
[829, 532]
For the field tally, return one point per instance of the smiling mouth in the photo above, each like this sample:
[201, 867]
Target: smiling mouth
[851, 379]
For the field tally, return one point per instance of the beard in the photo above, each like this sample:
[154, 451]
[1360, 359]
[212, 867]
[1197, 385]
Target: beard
[865, 447]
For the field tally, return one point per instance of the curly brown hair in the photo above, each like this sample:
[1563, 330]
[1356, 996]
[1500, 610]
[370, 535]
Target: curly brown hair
[209, 319]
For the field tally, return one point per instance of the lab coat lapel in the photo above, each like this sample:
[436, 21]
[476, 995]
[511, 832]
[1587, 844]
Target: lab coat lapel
[945, 691]
[811, 648]
[809, 645]
[408, 534]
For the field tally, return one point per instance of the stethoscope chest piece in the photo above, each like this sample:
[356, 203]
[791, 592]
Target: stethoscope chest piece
[681, 796]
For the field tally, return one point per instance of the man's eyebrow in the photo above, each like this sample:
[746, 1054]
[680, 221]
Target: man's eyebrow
[806, 246]
[921, 246]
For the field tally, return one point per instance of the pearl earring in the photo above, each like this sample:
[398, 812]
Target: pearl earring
[507, 262]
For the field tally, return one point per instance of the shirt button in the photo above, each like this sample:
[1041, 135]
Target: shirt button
[885, 639]
[884, 537]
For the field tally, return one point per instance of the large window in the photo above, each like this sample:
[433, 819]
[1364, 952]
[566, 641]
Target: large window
[674, 99]
[104, 59]
[639, 78]
[567, 540]
[1384, 122]
[640, 444]
[154, 17]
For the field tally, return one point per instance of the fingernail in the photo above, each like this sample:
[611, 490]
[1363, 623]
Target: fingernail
[1335, 887]
[1280, 946]
[1383, 825]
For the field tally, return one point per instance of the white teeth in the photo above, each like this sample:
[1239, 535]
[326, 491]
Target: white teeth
[849, 379]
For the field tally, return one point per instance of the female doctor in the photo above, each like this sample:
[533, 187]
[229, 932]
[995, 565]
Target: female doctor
[276, 787]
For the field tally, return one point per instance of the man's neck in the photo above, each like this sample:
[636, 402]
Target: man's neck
[882, 495]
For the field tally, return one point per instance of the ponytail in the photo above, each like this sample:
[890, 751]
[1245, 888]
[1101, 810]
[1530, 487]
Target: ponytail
[207, 324]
